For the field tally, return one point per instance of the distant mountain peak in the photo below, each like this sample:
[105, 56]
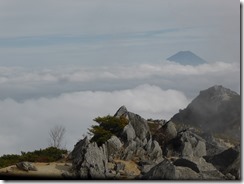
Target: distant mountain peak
[186, 58]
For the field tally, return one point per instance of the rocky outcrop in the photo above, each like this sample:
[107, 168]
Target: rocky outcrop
[137, 138]
[167, 154]
[186, 144]
[89, 160]
[136, 128]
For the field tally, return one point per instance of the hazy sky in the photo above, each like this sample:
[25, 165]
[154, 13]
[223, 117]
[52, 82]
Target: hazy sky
[65, 62]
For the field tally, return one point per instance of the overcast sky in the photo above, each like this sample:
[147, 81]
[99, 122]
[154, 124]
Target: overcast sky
[65, 62]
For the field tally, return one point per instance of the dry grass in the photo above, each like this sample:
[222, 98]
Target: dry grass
[131, 167]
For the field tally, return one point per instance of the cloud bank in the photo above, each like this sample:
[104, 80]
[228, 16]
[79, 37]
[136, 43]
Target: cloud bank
[22, 83]
[25, 125]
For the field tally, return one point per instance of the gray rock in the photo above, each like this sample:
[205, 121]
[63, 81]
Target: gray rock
[156, 152]
[77, 155]
[187, 150]
[122, 111]
[140, 127]
[113, 146]
[207, 170]
[165, 133]
[89, 160]
[189, 168]
[26, 166]
[184, 173]
[165, 170]
[96, 161]
[128, 155]
[213, 145]
[227, 161]
[140, 152]
[186, 144]
[128, 133]
[119, 166]
[200, 149]
[135, 134]
[146, 168]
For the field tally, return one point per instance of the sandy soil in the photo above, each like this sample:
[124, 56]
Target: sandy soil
[46, 170]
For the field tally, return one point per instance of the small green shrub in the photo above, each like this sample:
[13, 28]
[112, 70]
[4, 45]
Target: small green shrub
[108, 126]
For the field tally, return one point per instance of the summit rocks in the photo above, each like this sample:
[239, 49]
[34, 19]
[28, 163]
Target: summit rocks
[159, 149]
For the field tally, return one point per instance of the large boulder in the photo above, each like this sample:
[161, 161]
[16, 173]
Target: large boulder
[191, 168]
[128, 133]
[207, 170]
[214, 146]
[227, 161]
[164, 134]
[89, 160]
[114, 146]
[165, 170]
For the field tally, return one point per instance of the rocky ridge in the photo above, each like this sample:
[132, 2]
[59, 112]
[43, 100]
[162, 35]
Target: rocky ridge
[168, 153]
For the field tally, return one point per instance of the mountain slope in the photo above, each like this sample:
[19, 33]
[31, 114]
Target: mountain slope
[186, 58]
[216, 110]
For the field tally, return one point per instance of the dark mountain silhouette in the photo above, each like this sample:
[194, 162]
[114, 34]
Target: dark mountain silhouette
[186, 58]
[216, 110]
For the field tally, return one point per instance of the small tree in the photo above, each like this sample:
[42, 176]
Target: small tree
[108, 126]
[56, 136]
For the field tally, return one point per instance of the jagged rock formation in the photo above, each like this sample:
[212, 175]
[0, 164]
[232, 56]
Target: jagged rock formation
[135, 143]
[89, 160]
[167, 153]
[216, 110]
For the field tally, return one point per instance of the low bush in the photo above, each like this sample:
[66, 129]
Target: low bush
[50, 154]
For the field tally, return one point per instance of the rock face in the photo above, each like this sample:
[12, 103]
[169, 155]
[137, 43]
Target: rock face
[136, 128]
[216, 110]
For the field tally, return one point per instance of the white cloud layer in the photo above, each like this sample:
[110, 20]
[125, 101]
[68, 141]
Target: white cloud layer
[25, 125]
[22, 83]
[141, 71]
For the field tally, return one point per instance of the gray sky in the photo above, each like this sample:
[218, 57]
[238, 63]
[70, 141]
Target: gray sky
[67, 62]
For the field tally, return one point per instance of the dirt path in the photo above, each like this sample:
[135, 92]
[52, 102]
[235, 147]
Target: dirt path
[48, 170]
